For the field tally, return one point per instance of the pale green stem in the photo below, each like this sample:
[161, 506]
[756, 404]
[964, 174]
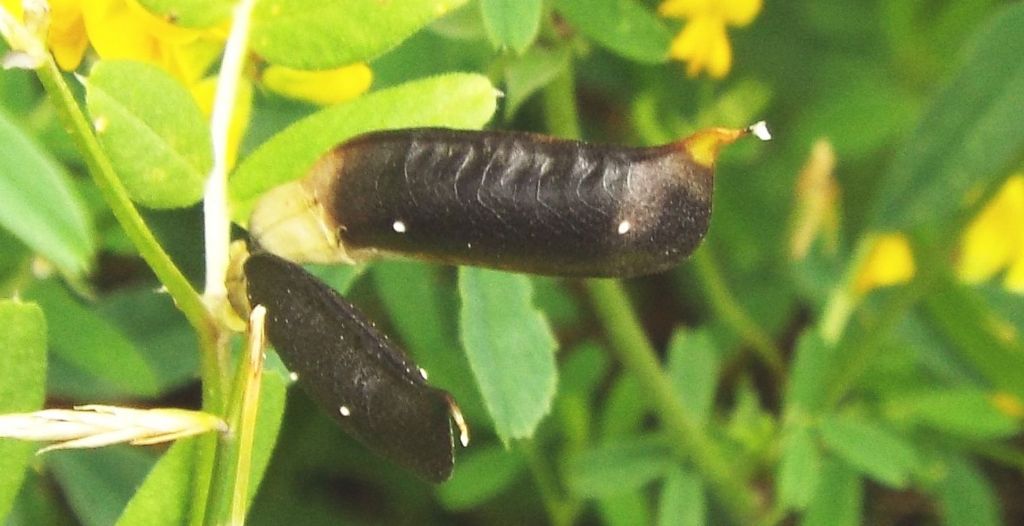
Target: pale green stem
[185, 297]
[734, 315]
[216, 209]
[245, 422]
[844, 298]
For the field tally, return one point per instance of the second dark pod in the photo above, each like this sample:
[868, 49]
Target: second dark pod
[355, 372]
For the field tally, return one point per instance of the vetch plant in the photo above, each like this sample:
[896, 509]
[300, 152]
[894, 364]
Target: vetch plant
[839, 341]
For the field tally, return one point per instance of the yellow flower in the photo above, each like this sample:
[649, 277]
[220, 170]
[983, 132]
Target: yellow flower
[889, 262]
[13, 7]
[319, 87]
[122, 29]
[703, 43]
[995, 239]
[67, 38]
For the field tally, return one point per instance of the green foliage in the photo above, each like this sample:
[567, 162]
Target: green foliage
[623, 26]
[510, 349]
[22, 385]
[153, 131]
[967, 141]
[309, 34]
[41, 206]
[748, 386]
[512, 23]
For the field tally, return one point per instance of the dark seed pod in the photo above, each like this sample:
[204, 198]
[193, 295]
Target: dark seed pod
[365, 382]
[513, 201]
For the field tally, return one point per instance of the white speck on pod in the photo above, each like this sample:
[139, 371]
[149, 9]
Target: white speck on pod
[760, 130]
[100, 124]
[624, 227]
[293, 376]
[399, 227]
[344, 410]
[423, 373]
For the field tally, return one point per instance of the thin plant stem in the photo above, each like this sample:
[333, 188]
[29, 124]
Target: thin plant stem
[217, 219]
[114, 193]
[561, 512]
[734, 315]
[635, 351]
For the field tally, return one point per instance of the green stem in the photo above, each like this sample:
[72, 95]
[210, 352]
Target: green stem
[561, 512]
[185, 297]
[728, 308]
[635, 351]
[612, 306]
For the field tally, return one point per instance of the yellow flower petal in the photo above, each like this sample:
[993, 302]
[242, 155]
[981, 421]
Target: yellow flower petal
[319, 87]
[117, 33]
[67, 38]
[204, 93]
[995, 239]
[890, 262]
[703, 44]
[14, 8]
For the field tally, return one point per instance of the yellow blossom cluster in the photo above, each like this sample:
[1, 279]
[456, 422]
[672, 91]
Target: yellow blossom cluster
[703, 43]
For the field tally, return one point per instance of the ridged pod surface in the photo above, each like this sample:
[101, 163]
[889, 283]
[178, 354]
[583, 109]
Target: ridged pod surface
[513, 201]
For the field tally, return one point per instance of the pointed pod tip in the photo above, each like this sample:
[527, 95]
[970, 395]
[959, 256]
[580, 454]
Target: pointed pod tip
[704, 145]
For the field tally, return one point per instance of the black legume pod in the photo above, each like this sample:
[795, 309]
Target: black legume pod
[355, 372]
[512, 201]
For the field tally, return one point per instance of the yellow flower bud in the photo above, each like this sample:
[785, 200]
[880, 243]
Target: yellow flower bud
[319, 87]
[889, 262]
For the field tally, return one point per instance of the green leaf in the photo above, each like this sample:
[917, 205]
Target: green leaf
[969, 138]
[273, 396]
[512, 23]
[153, 131]
[838, 500]
[625, 408]
[510, 349]
[871, 449]
[800, 468]
[683, 500]
[967, 498]
[40, 205]
[190, 13]
[423, 308]
[98, 483]
[22, 386]
[618, 467]
[960, 314]
[693, 367]
[308, 34]
[164, 497]
[92, 346]
[457, 100]
[964, 412]
[480, 474]
[625, 509]
[623, 26]
[812, 368]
